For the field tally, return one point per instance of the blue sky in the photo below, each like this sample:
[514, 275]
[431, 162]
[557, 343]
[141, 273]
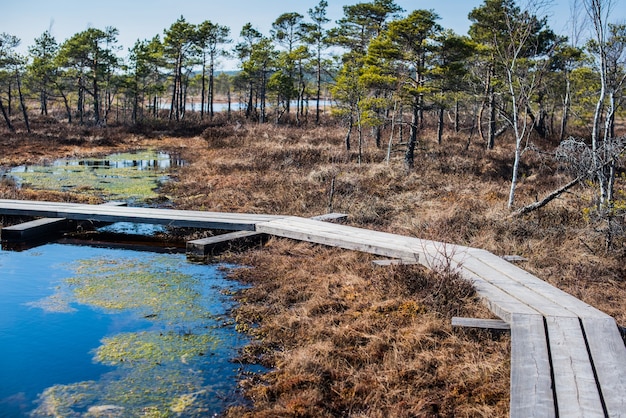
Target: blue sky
[138, 19]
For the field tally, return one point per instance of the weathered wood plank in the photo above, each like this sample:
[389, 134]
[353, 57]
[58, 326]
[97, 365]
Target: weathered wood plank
[394, 262]
[32, 229]
[180, 218]
[334, 235]
[514, 258]
[40, 228]
[495, 324]
[609, 358]
[330, 217]
[574, 382]
[241, 239]
[531, 382]
[501, 303]
[515, 274]
[515, 289]
[435, 254]
[212, 245]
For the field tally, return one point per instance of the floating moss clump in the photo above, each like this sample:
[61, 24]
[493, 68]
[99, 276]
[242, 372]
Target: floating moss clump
[153, 348]
[64, 400]
[58, 302]
[153, 287]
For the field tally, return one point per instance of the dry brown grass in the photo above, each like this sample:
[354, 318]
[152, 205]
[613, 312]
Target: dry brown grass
[343, 338]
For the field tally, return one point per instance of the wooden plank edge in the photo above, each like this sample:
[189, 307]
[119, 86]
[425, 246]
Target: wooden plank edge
[607, 352]
[331, 217]
[213, 246]
[33, 229]
[532, 392]
[575, 384]
[395, 262]
[490, 324]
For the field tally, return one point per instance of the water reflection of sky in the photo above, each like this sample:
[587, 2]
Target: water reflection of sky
[45, 343]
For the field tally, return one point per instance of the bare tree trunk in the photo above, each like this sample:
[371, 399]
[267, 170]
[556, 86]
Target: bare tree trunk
[360, 134]
[456, 115]
[68, 109]
[211, 88]
[566, 103]
[548, 198]
[491, 140]
[440, 126]
[81, 104]
[6, 117]
[319, 86]
[409, 155]
[349, 133]
[393, 127]
[596, 9]
[203, 90]
[22, 104]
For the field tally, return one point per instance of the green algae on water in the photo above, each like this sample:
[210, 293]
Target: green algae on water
[159, 371]
[124, 176]
[154, 287]
[153, 348]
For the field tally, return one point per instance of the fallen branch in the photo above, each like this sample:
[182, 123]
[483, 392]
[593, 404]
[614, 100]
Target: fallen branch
[548, 198]
[558, 192]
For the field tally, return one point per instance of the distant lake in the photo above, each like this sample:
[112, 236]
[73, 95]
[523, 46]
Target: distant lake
[235, 106]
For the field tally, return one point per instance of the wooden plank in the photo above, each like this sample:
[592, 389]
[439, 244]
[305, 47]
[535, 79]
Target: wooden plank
[514, 258]
[574, 381]
[40, 228]
[515, 289]
[33, 229]
[515, 274]
[375, 242]
[394, 262]
[607, 350]
[495, 324]
[502, 304]
[239, 240]
[531, 382]
[331, 217]
[219, 243]
[195, 219]
[336, 235]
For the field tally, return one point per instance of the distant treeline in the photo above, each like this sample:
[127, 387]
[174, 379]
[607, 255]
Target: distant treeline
[382, 65]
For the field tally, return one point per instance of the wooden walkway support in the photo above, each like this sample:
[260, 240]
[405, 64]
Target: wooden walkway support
[567, 358]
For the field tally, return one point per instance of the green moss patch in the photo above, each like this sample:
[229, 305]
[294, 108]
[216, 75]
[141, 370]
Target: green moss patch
[125, 176]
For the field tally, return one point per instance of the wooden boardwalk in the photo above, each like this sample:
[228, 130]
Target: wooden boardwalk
[567, 358]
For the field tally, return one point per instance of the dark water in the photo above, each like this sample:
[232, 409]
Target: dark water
[86, 329]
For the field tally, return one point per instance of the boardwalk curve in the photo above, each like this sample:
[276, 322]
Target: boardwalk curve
[567, 357]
